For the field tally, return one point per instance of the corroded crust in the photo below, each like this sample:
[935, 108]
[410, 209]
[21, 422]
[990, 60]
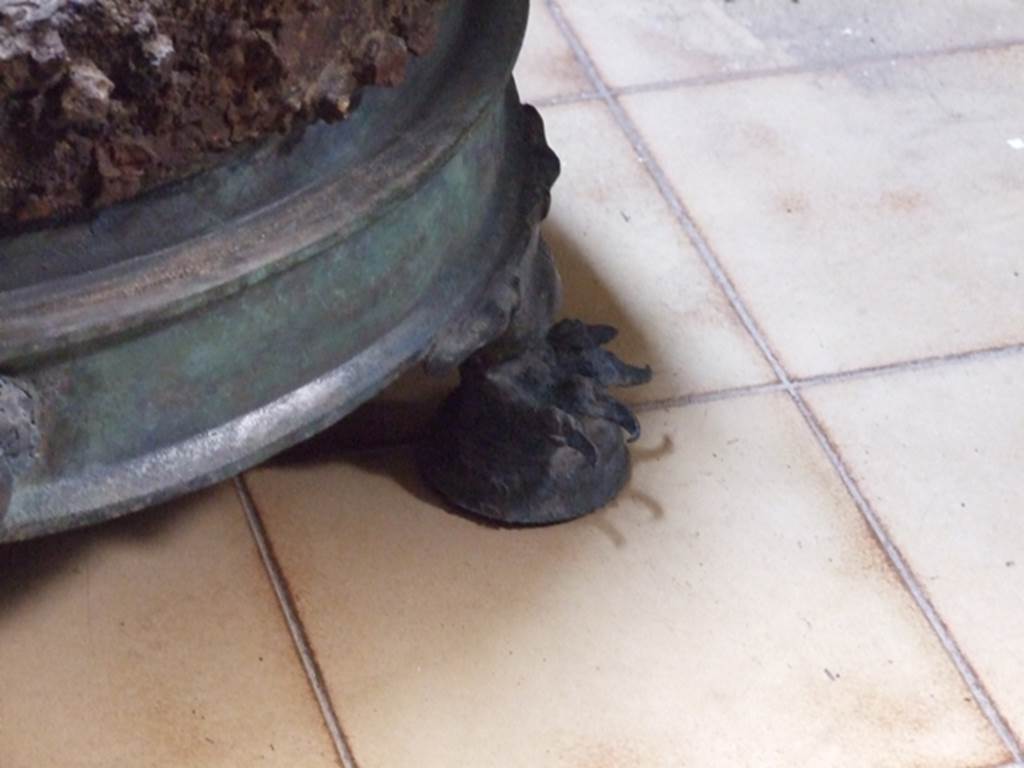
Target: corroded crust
[19, 435]
[101, 99]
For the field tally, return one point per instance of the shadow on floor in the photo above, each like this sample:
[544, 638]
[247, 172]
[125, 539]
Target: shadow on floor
[27, 567]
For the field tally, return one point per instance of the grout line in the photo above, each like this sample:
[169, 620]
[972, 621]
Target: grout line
[295, 627]
[919, 364]
[910, 582]
[874, 371]
[565, 98]
[714, 396]
[645, 156]
[823, 65]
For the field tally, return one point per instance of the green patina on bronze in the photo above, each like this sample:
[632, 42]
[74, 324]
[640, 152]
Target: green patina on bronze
[183, 336]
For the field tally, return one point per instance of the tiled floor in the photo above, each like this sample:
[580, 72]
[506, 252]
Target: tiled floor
[808, 218]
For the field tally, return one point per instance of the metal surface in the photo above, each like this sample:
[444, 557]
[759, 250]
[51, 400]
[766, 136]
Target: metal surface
[532, 436]
[189, 334]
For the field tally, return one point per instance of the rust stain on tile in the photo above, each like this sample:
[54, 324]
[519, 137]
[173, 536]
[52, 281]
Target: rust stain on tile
[866, 552]
[894, 714]
[761, 136]
[563, 67]
[792, 203]
[903, 201]
[855, 551]
[706, 314]
[901, 716]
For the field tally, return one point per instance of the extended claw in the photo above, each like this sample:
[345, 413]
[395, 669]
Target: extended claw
[578, 347]
[610, 371]
[575, 336]
[612, 410]
[602, 334]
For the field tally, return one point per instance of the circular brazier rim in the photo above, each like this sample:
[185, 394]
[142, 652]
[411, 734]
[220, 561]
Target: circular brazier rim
[53, 317]
[497, 149]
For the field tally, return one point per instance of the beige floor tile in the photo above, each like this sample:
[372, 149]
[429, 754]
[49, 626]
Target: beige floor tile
[940, 455]
[732, 609]
[151, 642]
[645, 41]
[625, 261]
[866, 217]
[546, 66]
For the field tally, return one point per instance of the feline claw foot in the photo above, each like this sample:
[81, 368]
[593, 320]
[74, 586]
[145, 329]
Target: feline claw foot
[534, 437]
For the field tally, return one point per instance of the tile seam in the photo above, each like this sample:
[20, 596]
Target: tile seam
[883, 370]
[818, 67]
[906, 366]
[296, 629]
[686, 221]
[971, 679]
[713, 396]
[562, 99]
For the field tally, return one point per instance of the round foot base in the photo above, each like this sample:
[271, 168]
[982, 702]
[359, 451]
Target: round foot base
[532, 437]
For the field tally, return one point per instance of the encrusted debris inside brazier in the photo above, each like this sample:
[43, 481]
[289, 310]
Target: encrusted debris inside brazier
[103, 99]
[325, 192]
